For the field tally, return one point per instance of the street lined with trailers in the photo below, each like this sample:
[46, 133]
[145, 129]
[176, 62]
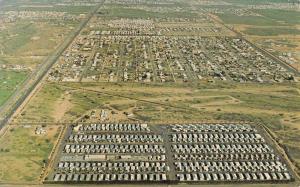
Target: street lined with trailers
[173, 153]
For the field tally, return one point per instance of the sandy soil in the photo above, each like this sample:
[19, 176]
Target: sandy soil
[61, 106]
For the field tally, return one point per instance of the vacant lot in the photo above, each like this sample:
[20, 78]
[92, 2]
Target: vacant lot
[285, 16]
[132, 13]
[31, 39]
[9, 81]
[271, 31]
[248, 20]
[23, 153]
[56, 8]
[212, 99]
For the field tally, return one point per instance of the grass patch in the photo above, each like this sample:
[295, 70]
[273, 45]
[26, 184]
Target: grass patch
[248, 20]
[255, 2]
[9, 81]
[17, 36]
[139, 13]
[287, 16]
[23, 154]
[54, 8]
[268, 102]
[272, 31]
[43, 104]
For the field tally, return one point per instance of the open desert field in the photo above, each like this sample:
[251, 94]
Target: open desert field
[24, 152]
[147, 92]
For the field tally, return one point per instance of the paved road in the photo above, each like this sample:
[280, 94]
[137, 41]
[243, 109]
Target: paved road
[265, 52]
[20, 95]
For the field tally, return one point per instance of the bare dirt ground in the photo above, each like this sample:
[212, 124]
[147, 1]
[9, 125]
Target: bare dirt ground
[61, 106]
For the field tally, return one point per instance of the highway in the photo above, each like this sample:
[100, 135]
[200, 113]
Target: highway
[29, 85]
